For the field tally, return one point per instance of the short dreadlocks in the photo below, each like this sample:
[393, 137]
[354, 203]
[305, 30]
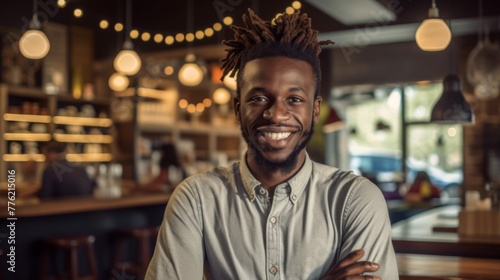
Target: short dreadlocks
[289, 35]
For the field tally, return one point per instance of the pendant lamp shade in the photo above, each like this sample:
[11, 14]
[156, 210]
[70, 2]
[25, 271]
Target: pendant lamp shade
[34, 44]
[127, 61]
[221, 96]
[190, 74]
[118, 82]
[452, 108]
[433, 34]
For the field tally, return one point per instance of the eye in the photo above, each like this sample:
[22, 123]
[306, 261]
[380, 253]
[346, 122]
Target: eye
[256, 99]
[295, 99]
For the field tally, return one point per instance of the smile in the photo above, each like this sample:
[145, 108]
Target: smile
[277, 135]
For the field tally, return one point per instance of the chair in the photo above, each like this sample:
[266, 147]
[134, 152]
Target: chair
[69, 246]
[143, 238]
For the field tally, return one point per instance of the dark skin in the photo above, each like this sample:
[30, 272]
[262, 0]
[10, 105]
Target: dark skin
[277, 109]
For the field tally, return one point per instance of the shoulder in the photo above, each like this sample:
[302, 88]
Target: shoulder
[336, 177]
[215, 181]
[344, 185]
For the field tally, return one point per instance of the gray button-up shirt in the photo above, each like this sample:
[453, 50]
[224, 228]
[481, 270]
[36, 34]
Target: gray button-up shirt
[224, 221]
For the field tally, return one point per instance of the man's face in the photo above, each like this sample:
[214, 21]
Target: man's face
[277, 111]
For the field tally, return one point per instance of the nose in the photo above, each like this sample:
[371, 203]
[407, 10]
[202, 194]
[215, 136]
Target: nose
[277, 113]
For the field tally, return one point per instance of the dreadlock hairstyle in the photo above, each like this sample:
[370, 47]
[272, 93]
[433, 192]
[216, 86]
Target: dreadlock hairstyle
[289, 35]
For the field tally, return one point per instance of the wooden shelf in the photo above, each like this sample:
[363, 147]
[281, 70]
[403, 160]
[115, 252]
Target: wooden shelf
[83, 138]
[27, 118]
[27, 136]
[23, 157]
[103, 157]
[99, 122]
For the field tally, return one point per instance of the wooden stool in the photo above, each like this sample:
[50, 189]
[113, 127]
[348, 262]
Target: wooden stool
[70, 246]
[143, 238]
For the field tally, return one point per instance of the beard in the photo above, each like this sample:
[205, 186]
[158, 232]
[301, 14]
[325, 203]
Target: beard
[284, 166]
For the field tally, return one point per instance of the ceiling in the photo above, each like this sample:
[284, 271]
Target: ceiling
[169, 17]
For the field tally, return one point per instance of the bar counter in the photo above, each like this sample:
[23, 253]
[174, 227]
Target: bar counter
[37, 220]
[435, 232]
[34, 207]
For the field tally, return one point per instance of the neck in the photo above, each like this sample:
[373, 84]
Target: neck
[271, 178]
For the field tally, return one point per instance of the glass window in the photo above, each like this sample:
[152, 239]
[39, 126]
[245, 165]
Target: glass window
[376, 138]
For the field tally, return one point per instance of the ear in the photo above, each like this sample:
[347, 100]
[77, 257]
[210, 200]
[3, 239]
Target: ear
[316, 109]
[236, 105]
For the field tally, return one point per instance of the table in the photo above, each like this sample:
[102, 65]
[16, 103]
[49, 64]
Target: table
[413, 266]
[434, 232]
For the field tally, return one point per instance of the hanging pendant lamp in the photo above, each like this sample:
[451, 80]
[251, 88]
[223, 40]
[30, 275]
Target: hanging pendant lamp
[433, 34]
[127, 61]
[190, 74]
[452, 108]
[34, 44]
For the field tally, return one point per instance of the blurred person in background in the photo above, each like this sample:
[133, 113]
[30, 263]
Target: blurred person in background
[171, 171]
[422, 189]
[60, 177]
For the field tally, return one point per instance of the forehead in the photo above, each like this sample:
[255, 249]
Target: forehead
[278, 67]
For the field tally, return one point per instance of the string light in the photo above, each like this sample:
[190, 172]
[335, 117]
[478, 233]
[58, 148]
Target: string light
[183, 103]
[78, 13]
[61, 3]
[207, 102]
[169, 40]
[103, 24]
[296, 5]
[134, 34]
[209, 32]
[217, 26]
[199, 35]
[228, 20]
[191, 108]
[190, 37]
[179, 37]
[118, 27]
[145, 36]
[158, 38]
[169, 70]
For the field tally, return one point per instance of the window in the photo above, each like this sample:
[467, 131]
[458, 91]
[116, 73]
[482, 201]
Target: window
[376, 142]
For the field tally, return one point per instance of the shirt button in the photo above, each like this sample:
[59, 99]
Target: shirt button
[262, 191]
[294, 197]
[273, 220]
[273, 270]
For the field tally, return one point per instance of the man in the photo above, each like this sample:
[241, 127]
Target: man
[60, 177]
[276, 214]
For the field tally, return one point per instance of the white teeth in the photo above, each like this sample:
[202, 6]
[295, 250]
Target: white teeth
[277, 136]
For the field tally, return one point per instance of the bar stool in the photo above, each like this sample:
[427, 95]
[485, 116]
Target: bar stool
[69, 246]
[143, 238]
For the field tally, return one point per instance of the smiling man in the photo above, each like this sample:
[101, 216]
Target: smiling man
[276, 214]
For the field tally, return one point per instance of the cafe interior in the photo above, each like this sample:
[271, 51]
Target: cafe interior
[408, 88]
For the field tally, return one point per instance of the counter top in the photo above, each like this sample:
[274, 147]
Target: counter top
[435, 232]
[34, 207]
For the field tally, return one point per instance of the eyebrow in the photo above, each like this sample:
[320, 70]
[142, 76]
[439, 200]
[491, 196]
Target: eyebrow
[296, 89]
[260, 89]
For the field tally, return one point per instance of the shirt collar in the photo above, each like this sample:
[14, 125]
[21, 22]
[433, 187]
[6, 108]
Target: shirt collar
[297, 183]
